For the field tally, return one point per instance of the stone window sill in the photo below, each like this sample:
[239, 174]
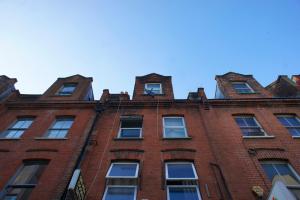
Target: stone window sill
[45, 138]
[296, 137]
[122, 139]
[259, 137]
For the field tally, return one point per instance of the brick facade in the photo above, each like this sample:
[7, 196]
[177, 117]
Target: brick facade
[227, 163]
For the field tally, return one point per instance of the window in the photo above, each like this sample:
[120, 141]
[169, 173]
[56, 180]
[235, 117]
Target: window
[242, 88]
[249, 126]
[120, 193]
[60, 128]
[67, 89]
[291, 122]
[174, 127]
[121, 170]
[18, 128]
[282, 171]
[153, 88]
[121, 181]
[181, 181]
[131, 127]
[25, 180]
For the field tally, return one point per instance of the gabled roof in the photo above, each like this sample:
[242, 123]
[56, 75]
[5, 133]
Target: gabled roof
[76, 75]
[153, 74]
[234, 73]
[280, 78]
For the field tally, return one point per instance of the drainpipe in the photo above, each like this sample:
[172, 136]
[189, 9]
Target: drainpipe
[99, 109]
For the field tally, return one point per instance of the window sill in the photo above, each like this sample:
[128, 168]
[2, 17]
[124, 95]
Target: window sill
[10, 138]
[179, 138]
[259, 137]
[45, 138]
[296, 137]
[128, 139]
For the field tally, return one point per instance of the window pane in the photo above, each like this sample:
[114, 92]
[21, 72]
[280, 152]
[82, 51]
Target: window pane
[13, 133]
[240, 86]
[286, 174]
[283, 121]
[294, 131]
[53, 133]
[153, 86]
[183, 193]
[173, 122]
[130, 133]
[128, 169]
[120, 193]
[178, 170]
[175, 132]
[63, 124]
[18, 193]
[269, 170]
[240, 121]
[293, 121]
[22, 123]
[250, 121]
[131, 123]
[252, 132]
[61, 134]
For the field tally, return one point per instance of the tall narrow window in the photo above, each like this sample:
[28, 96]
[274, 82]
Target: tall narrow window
[242, 88]
[282, 171]
[174, 127]
[67, 89]
[25, 180]
[291, 122]
[60, 127]
[249, 126]
[131, 127]
[18, 128]
[121, 181]
[153, 88]
[181, 181]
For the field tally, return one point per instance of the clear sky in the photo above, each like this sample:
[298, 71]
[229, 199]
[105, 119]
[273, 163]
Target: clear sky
[115, 40]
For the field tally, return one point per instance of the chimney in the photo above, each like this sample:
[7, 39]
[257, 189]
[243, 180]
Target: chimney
[105, 96]
[296, 79]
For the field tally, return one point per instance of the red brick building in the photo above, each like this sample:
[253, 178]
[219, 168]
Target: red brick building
[153, 146]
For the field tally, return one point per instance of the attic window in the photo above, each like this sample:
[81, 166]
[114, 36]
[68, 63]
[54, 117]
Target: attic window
[153, 88]
[242, 88]
[67, 89]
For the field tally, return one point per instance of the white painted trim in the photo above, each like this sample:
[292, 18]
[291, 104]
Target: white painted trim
[170, 163]
[184, 127]
[123, 163]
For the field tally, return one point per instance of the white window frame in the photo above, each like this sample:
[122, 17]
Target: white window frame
[183, 186]
[53, 123]
[289, 166]
[120, 186]
[120, 129]
[11, 128]
[120, 163]
[146, 88]
[193, 167]
[288, 127]
[184, 127]
[246, 84]
[258, 126]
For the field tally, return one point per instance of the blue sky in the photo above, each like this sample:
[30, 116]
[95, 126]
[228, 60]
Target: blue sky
[115, 40]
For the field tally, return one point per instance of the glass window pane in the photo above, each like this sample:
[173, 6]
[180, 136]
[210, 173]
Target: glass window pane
[173, 122]
[58, 124]
[11, 133]
[128, 169]
[67, 123]
[294, 131]
[18, 193]
[120, 193]
[183, 193]
[252, 132]
[270, 171]
[250, 121]
[293, 121]
[286, 174]
[175, 132]
[27, 175]
[131, 123]
[283, 121]
[18, 134]
[52, 133]
[180, 170]
[240, 121]
[130, 133]
[61, 134]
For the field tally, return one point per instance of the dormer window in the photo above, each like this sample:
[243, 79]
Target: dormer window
[242, 88]
[67, 89]
[153, 88]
